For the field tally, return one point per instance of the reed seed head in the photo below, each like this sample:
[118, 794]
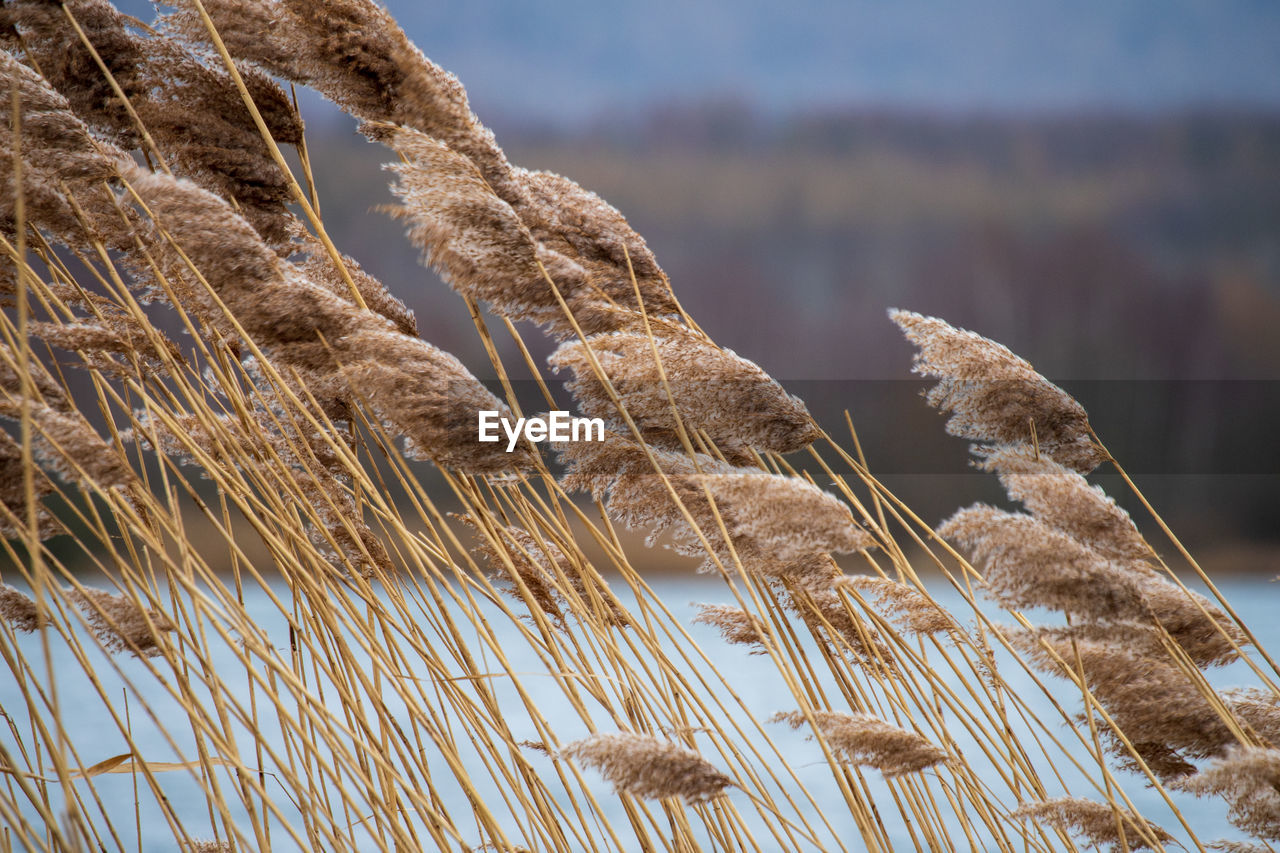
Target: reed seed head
[19, 610]
[907, 606]
[120, 622]
[993, 396]
[866, 740]
[730, 398]
[1097, 823]
[1249, 779]
[649, 767]
[735, 625]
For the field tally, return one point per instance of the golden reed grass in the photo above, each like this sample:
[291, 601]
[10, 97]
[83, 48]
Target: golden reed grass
[223, 521]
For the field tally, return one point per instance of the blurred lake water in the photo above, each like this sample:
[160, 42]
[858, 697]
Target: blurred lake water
[95, 736]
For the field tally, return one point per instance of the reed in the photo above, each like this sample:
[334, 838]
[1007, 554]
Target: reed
[221, 547]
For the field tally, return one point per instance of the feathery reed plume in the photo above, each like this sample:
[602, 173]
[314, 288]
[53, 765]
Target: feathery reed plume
[649, 767]
[996, 397]
[68, 446]
[735, 625]
[318, 267]
[1259, 708]
[1249, 779]
[1096, 823]
[813, 571]
[1203, 631]
[539, 565]
[908, 607]
[120, 622]
[114, 335]
[1150, 699]
[1240, 847]
[64, 441]
[60, 159]
[578, 224]
[421, 392]
[355, 54]
[192, 111]
[1064, 500]
[864, 739]
[19, 610]
[13, 494]
[732, 399]
[473, 238]
[831, 619]
[785, 518]
[1026, 563]
[210, 847]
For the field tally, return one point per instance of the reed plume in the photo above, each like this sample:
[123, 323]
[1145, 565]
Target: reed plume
[120, 622]
[193, 114]
[769, 517]
[1066, 502]
[473, 238]
[19, 610]
[1150, 698]
[13, 494]
[649, 767]
[736, 626]
[863, 739]
[714, 391]
[541, 567]
[995, 397]
[1027, 563]
[1249, 779]
[1097, 823]
[907, 607]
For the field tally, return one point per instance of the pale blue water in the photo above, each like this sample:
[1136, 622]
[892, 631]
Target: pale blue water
[94, 735]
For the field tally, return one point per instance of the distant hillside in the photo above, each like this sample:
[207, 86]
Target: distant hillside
[570, 58]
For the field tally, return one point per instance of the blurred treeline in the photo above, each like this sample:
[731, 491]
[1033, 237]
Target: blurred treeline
[1134, 258]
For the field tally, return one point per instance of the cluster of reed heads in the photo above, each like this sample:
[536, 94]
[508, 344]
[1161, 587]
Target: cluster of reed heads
[238, 375]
